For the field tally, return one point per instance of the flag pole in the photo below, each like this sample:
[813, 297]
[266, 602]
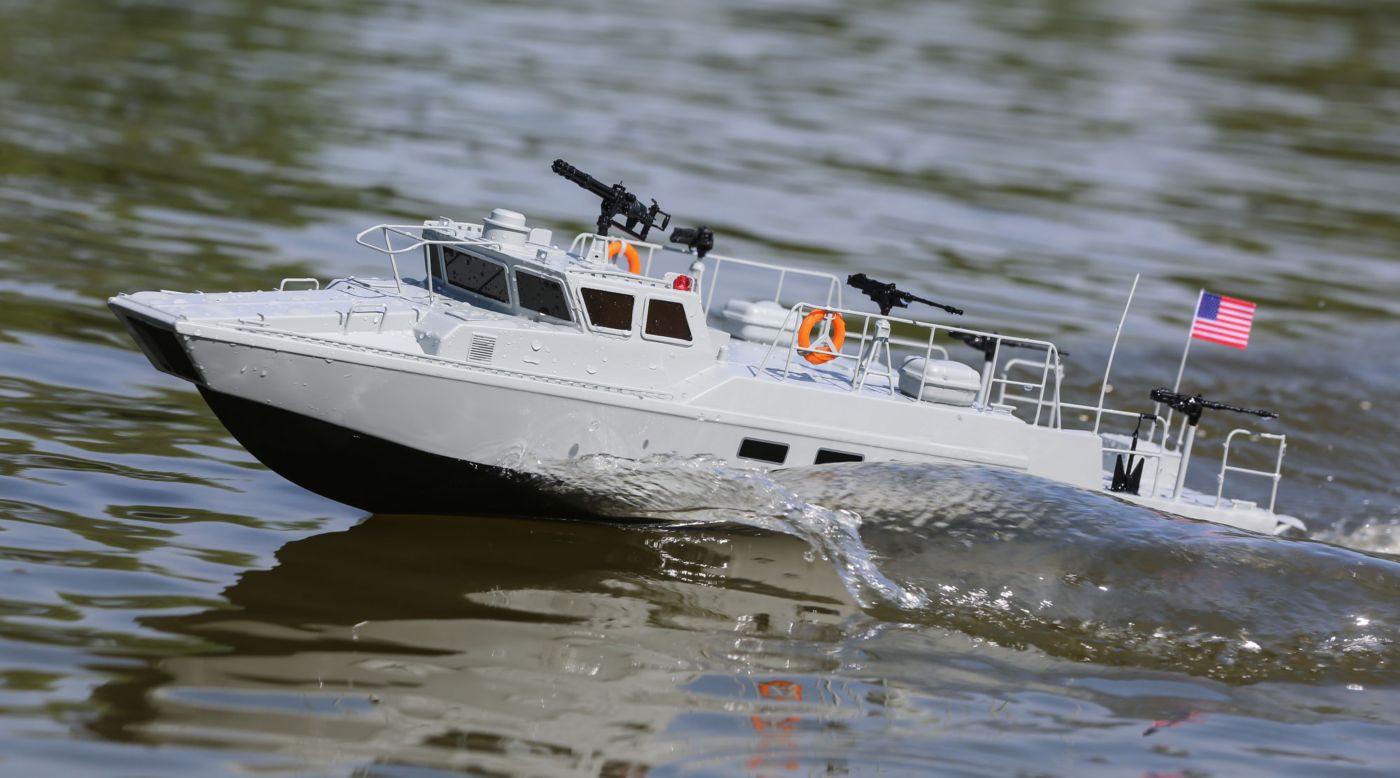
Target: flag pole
[1103, 388]
[1186, 350]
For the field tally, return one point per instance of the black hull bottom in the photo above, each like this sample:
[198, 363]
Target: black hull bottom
[374, 474]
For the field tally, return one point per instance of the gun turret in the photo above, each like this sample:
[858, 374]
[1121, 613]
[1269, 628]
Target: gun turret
[617, 201]
[1193, 405]
[888, 297]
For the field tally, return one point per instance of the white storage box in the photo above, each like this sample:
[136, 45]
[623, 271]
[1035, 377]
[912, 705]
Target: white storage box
[943, 380]
[757, 322]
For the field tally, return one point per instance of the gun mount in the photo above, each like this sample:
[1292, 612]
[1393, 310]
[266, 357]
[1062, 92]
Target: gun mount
[889, 297]
[698, 239]
[617, 201]
[1193, 405]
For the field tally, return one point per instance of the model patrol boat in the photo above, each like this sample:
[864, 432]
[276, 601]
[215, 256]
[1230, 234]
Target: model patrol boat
[444, 387]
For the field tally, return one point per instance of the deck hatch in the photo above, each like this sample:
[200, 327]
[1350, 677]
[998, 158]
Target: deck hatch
[482, 348]
[763, 451]
[826, 456]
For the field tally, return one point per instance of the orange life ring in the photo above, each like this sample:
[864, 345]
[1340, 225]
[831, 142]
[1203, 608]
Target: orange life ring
[634, 262]
[828, 344]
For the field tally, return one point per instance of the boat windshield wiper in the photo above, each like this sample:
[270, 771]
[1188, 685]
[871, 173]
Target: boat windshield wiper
[888, 296]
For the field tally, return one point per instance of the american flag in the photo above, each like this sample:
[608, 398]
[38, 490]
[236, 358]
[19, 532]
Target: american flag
[1223, 320]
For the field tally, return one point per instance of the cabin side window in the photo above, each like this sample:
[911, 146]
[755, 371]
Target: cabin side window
[541, 295]
[666, 319]
[478, 275]
[609, 310]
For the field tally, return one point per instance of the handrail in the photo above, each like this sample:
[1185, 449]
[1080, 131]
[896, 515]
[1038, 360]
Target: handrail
[833, 292]
[402, 230]
[585, 244]
[1275, 476]
[799, 310]
[282, 287]
[418, 240]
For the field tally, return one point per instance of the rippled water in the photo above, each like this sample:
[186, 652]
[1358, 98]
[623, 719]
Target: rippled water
[169, 606]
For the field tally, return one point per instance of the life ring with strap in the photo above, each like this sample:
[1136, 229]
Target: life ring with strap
[830, 337]
[634, 261]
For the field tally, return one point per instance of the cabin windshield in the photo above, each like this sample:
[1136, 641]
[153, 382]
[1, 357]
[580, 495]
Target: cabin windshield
[542, 295]
[477, 275]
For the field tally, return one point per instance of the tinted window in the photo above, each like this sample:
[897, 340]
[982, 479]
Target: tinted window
[827, 456]
[477, 275]
[612, 310]
[542, 295]
[763, 451]
[666, 319]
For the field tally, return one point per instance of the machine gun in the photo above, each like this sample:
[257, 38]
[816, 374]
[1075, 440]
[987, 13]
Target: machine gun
[1193, 405]
[888, 297]
[987, 344]
[617, 201]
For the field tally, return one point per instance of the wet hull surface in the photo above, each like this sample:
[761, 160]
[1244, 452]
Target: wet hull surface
[373, 474]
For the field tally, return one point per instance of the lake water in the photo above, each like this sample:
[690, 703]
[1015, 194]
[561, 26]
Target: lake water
[168, 606]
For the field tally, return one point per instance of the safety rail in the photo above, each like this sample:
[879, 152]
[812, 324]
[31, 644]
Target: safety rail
[1159, 456]
[386, 232]
[720, 262]
[1275, 476]
[587, 245]
[1157, 433]
[1049, 383]
[315, 283]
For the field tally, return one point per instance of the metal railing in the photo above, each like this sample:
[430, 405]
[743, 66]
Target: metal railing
[1048, 387]
[721, 262]
[1157, 433]
[590, 246]
[595, 247]
[1275, 476]
[415, 234]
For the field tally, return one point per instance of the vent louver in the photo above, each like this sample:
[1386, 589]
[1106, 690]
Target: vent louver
[482, 349]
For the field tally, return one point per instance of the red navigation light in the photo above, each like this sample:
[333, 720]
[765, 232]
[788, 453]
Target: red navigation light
[682, 283]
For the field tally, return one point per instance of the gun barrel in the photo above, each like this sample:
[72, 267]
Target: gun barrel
[581, 178]
[1183, 402]
[949, 308]
[1237, 409]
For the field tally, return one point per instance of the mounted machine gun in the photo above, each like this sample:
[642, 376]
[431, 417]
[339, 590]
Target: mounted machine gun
[617, 201]
[1192, 406]
[889, 297]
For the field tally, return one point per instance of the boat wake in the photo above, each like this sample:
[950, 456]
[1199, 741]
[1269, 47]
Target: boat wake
[1025, 563]
[706, 490]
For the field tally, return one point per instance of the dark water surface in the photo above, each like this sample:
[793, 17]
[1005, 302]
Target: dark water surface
[167, 606]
